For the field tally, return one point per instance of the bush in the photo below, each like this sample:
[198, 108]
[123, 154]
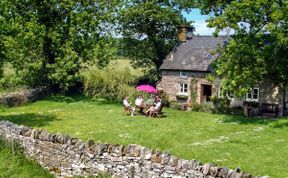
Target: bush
[9, 81]
[181, 96]
[221, 105]
[174, 105]
[108, 83]
[165, 98]
[206, 107]
[237, 110]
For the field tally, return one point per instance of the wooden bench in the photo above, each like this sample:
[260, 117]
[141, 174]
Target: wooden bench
[269, 109]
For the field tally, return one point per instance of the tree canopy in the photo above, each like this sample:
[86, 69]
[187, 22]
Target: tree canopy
[257, 48]
[48, 41]
[149, 30]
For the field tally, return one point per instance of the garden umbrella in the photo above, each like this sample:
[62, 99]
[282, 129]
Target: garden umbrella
[146, 88]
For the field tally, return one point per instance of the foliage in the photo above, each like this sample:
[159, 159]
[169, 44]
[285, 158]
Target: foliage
[193, 89]
[220, 139]
[149, 77]
[221, 105]
[164, 97]
[205, 107]
[237, 110]
[110, 83]
[149, 30]
[258, 48]
[182, 96]
[13, 163]
[9, 81]
[213, 6]
[3, 31]
[174, 104]
[47, 42]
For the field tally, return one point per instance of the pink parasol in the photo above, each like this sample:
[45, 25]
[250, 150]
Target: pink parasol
[146, 88]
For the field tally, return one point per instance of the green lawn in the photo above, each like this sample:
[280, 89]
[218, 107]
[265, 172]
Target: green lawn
[17, 165]
[257, 146]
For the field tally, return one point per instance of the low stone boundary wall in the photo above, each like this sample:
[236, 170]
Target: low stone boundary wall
[25, 96]
[65, 156]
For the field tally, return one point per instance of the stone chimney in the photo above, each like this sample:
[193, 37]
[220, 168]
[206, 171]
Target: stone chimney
[185, 33]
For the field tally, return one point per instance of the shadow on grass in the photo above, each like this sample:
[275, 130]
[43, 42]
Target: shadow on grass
[280, 124]
[78, 98]
[29, 119]
[244, 120]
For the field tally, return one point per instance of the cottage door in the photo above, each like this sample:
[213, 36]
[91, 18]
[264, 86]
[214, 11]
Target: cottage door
[206, 92]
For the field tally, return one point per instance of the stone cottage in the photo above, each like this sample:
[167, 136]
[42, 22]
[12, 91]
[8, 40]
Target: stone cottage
[184, 74]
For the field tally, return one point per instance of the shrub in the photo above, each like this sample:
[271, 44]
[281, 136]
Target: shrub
[221, 105]
[9, 83]
[108, 83]
[182, 96]
[237, 110]
[165, 98]
[206, 107]
[9, 80]
[174, 105]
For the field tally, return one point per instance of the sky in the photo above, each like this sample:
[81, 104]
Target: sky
[199, 22]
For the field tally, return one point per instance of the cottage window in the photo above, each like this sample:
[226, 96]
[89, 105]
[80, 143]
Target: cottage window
[253, 95]
[228, 94]
[183, 74]
[183, 87]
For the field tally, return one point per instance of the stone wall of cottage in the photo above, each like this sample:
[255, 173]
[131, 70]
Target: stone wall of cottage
[171, 79]
[64, 156]
[268, 93]
[21, 97]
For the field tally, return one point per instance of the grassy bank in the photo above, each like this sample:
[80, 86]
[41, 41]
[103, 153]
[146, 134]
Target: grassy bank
[255, 145]
[14, 164]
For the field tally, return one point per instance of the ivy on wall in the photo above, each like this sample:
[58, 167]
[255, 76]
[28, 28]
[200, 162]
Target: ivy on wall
[193, 90]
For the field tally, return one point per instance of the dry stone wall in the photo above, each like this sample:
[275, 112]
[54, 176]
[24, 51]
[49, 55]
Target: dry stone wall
[65, 156]
[25, 96]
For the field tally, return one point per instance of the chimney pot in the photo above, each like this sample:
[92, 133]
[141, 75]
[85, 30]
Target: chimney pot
[185, 33]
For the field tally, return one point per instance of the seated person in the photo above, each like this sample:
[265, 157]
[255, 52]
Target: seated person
[139, 104]
[128, 106]
[156, 98]
[155, 108]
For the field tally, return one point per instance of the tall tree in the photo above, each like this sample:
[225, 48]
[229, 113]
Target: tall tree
[258, 48]
[48, 41]
[3, 29]
[149, 30]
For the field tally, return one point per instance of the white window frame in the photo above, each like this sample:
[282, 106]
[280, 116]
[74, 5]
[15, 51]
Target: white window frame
[182, 87]
[221, 94]
[183, 74]
[247, 98]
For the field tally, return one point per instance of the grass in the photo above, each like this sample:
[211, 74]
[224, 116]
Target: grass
[257, 146]
[15, 165]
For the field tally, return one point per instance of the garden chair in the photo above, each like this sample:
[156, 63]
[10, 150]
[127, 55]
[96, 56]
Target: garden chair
[140, 109]
[128, 110]
[160, 109]
[156, 113]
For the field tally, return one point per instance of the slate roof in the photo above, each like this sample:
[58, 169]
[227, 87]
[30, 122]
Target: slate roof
[196, 54]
